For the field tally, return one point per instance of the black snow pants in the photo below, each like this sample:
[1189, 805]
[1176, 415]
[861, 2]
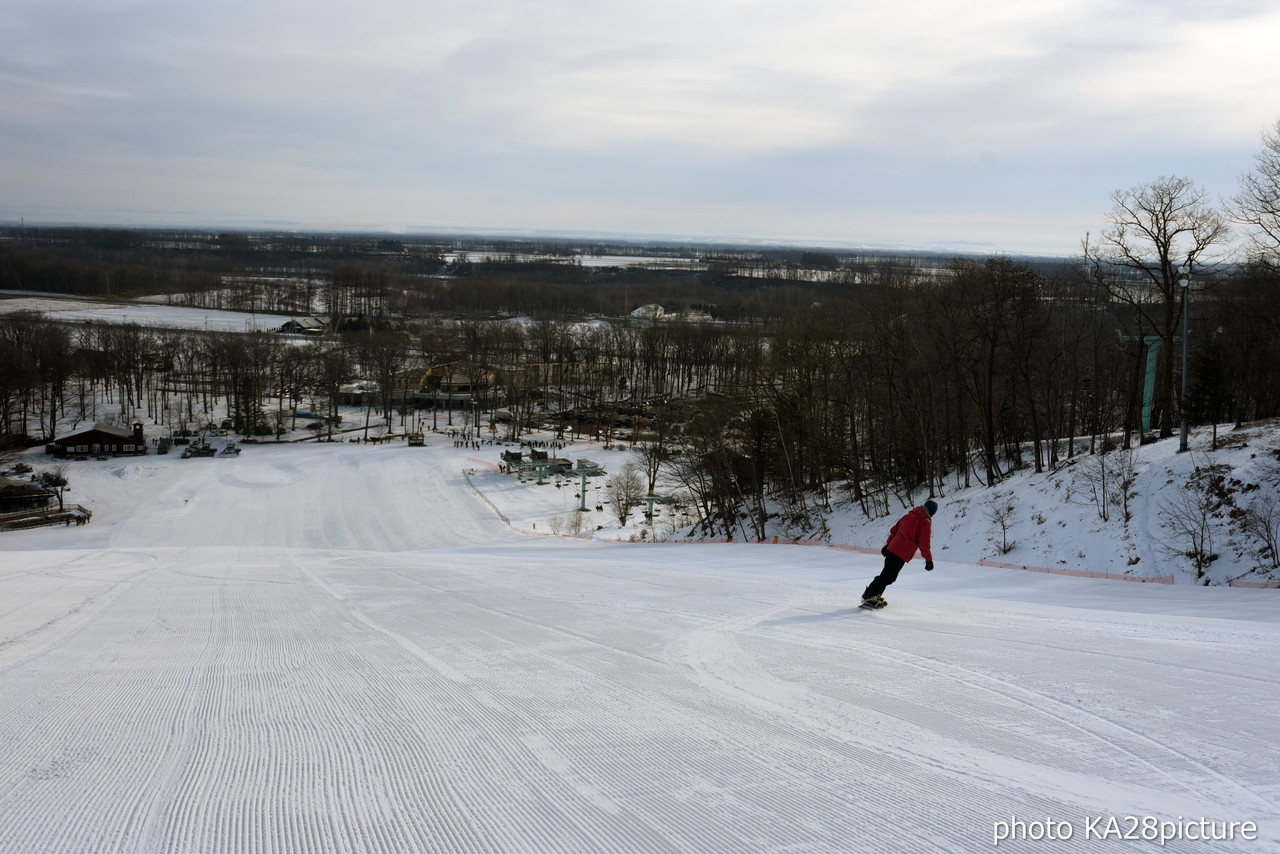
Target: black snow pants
[892, 566]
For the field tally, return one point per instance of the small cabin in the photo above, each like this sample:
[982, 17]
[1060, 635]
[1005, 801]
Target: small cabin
[304, 326]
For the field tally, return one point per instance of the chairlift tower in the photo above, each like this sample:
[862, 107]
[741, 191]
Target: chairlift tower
[584, 470]
[651, 500]
[1150, 343]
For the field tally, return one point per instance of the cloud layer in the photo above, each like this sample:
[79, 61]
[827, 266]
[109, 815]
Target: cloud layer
[919, 121]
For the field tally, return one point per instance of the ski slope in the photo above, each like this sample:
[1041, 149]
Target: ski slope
[341, 648]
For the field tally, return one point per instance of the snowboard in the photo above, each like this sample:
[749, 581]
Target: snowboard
[873, 605]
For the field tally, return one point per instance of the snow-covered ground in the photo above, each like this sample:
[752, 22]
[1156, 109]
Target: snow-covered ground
[1054, 519]
[140, 312]
[344, 648]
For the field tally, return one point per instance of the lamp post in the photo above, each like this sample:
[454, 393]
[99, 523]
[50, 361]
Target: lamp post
[1186, 309]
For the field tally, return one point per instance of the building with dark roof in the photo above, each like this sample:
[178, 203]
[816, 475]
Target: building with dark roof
[101, 438]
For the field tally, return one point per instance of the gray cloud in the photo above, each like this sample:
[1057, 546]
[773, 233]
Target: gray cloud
[1005, 122]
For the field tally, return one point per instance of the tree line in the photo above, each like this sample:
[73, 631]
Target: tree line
[914, 381]
[870, 379]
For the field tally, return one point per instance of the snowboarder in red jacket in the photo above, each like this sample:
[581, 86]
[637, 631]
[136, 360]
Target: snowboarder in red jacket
[909, 535]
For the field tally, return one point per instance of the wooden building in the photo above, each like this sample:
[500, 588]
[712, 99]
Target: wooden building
[100, 439]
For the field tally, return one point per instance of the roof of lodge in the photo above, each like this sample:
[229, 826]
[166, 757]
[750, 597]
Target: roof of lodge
[100, 427]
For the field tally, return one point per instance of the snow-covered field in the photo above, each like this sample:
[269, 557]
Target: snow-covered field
[139, 312]
[343, 648]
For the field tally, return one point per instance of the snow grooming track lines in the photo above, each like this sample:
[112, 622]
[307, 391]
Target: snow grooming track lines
[487, 740]
[55, 580]
[144, 830]
[624, 690]
[719, 763]
[282, 764]
[379, 665]
[884, 773]
[582, 804]
[62, 621]
[1151, 754]
[71, 741]
[1108, 655]
[1041, 704]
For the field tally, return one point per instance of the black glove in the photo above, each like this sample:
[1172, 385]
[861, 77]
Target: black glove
[928, 566]
[884, 551]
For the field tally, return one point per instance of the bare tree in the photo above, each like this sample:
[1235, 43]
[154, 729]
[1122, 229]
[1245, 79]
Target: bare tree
[1188, 519]
[1158, 232]
[1257, 204]
[567, 524]
[383, 354]
[55, 478]
[10, 453]
[1262, 520]
[1109, 479]
[654, 450]
[1001, 508]
[1126, 482]
[625, 489]
[333, 367]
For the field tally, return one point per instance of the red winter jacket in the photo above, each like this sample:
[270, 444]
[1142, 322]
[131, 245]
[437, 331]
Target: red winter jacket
[911, 533]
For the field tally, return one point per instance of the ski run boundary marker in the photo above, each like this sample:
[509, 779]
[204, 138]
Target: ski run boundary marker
[1081, 573]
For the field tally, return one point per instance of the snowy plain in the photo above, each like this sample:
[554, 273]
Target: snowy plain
[346, 648]
[139, 312]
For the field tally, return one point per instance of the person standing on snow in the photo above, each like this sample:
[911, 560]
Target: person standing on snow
[910, 534]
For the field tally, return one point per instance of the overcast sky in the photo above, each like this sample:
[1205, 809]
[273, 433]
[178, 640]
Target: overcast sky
[1005, 123]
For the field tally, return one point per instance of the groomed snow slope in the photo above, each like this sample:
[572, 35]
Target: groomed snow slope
[342, 649]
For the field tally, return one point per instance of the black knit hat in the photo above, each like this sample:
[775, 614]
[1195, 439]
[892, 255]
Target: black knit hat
[931, 506]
